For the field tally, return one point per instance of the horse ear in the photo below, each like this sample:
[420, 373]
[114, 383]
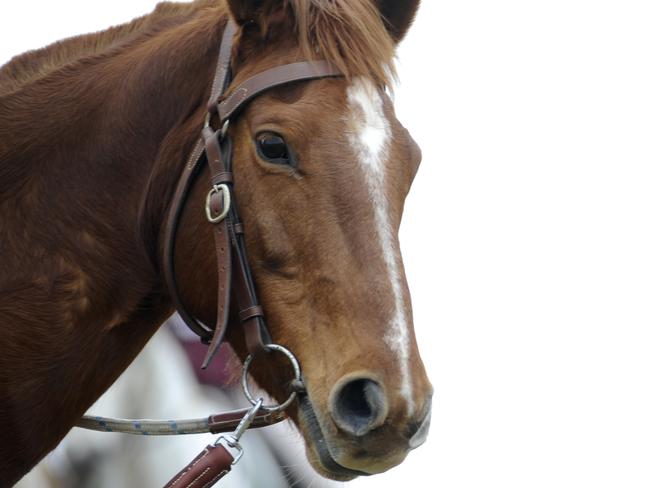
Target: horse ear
[244, 11]
[398, 16]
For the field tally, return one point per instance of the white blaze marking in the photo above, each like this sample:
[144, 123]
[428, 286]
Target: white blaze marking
[369, 137]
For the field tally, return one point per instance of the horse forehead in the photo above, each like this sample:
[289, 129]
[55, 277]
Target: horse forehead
[369, 129]
[366, 106]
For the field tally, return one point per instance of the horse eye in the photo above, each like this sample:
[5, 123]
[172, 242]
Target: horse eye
[273, 148]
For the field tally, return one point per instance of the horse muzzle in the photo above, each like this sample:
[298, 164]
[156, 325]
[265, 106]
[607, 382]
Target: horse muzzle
[359, 435]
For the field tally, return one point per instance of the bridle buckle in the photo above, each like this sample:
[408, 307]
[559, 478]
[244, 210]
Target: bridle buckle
[225, 191]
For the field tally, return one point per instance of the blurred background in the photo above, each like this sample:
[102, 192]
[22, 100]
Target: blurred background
[526, 240]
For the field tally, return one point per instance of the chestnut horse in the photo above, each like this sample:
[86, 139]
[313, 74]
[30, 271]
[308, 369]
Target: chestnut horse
[94, 133]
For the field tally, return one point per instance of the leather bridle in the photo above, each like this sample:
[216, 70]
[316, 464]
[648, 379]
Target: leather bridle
[235, 279]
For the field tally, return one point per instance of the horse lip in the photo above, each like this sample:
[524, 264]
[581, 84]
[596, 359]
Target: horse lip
[324, 455]
[420, 431]
[421, 435]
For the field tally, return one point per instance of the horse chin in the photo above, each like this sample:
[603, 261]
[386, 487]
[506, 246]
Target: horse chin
[318, 451]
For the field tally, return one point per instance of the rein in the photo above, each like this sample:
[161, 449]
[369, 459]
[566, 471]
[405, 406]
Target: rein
[235, 279]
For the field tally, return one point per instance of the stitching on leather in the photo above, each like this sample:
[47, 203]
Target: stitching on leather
[189, 468]
[237, 98]
[218, 82]
[199, 477]
[195, 155]
[216, 478]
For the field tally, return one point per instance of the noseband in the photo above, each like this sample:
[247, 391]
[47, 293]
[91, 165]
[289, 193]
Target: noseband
[235, 279]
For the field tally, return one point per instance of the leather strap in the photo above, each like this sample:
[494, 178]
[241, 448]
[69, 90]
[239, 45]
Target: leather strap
[183, 188]
[219, 82]
[249, 313]
[228, 421]
[223, 63]
[305, 70]
[212, 464]
[217, 153]
[255, 330]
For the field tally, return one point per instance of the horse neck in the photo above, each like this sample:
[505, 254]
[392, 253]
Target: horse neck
[93, 151]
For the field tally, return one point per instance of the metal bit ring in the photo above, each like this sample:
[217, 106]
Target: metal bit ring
[296, 370]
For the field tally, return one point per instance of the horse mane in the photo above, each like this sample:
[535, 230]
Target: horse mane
[33, 65]
[350, 34]
[23, 79]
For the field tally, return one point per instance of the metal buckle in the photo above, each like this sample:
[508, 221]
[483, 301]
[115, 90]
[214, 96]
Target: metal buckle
[226, 203]
[296, 370]
[224, 129]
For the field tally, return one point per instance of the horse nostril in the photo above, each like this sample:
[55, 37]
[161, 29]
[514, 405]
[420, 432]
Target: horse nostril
[358, 406]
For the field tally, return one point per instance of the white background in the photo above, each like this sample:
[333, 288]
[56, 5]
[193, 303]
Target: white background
[526, 236]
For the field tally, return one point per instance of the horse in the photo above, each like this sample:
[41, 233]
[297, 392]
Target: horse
[95, 132]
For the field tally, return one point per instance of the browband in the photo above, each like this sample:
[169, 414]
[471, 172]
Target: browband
[229, 106]
[235, 279]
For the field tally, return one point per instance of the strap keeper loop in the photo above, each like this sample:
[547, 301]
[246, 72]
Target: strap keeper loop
[250, 313]
[224, 177]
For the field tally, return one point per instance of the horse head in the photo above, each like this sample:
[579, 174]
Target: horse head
[322, 171]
